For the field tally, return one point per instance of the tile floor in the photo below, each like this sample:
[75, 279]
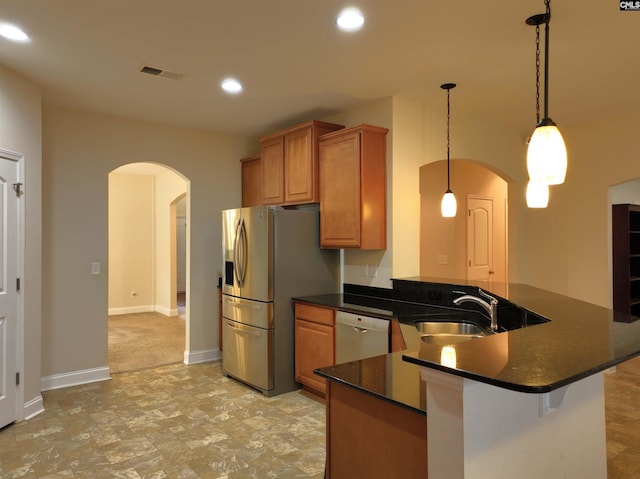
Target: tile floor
[172, 421]
[180, 421]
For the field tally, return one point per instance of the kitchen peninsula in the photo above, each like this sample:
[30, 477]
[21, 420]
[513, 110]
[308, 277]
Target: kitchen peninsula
[527, 402]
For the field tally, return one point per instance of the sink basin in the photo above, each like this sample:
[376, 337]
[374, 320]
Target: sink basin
[449, 332]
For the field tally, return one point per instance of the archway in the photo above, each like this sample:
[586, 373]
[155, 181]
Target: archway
[446, 250]
[145, 329]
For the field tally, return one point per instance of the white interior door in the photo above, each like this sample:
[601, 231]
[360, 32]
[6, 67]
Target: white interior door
[8, 289]
[480, 238]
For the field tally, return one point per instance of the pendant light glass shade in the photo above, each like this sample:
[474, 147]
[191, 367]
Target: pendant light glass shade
[537, 194]
[449, 205]
[547, 154]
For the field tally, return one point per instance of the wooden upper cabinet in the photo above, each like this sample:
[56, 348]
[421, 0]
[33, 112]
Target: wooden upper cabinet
[251, 181]
[290, 164]
[273, 171]
[352, 169]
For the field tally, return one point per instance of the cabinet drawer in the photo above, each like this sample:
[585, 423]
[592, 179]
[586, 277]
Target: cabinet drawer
[315, 314]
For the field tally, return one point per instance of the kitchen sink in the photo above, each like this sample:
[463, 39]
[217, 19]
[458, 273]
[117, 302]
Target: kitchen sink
[449, 332]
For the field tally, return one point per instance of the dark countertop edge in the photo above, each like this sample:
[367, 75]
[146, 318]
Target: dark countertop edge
[523, 388]
[519, 387]
[339, 380]
[357, 309]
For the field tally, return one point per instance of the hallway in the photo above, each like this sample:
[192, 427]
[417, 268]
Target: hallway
[145, 340]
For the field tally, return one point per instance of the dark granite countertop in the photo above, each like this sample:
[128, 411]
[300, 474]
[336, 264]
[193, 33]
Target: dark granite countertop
[580, 339]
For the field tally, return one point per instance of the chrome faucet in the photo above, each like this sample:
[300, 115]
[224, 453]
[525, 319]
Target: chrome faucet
[490, 307]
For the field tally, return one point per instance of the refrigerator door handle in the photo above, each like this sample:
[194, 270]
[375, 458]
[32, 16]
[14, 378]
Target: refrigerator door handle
[242, 305]
[236, 254]
[244, 251]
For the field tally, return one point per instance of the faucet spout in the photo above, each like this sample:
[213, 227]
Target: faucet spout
[490, 306]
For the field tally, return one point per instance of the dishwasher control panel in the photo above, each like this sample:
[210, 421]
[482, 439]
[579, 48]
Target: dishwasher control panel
[360, 321]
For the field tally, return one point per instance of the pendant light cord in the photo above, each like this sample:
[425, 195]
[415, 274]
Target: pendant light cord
[537, 20]
[546, 58]
[537, 74]
[448, 140]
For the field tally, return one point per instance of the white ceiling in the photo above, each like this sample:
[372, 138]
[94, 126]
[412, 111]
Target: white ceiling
[295, 65]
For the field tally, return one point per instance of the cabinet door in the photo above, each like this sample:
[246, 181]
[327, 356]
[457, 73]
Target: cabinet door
[300, 168]
[273, 171]
[314, 349]
[251, 182]
[340, 192]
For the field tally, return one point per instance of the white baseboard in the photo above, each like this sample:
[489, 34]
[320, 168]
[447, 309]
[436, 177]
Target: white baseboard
[194, 357]
[74, 378]
[149, 308]
[130, 310]
[33, 408]
[166, 311]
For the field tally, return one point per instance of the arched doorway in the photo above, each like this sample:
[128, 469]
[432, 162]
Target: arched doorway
[474, 244]
[145, 328]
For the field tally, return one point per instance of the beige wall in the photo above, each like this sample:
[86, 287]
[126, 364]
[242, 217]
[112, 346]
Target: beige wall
[566, 248]
[377, 113]
[131, 243]
[168, 187]
[142, 241]
[417, 137]
[563, 248]
[448, 236]
[20, 132]
[80, 149]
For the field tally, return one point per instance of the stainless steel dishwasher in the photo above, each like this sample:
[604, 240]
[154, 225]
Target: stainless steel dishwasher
[359, 337]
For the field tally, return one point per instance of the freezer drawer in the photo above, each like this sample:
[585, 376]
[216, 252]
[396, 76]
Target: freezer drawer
[247, 354]
[246, 311]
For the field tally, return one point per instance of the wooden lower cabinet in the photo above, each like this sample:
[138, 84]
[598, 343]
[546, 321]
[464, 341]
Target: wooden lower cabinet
[370, 438]
[314, 344]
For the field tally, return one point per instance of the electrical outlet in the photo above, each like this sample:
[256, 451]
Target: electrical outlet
[373, 271]
[442, 259]
[364, 270]
[95, 268]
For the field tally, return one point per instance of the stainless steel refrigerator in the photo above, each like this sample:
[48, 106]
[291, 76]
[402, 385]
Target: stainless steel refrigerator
[271, 254]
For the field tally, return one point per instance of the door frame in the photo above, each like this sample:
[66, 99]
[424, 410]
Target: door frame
[19, 158]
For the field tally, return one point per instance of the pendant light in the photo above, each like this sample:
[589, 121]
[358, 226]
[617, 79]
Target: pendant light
[546, 154]
[537, 194]
[448, 206]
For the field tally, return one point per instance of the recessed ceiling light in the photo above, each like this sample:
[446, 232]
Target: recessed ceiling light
[231, 85]
[350, 19]
[13, 33]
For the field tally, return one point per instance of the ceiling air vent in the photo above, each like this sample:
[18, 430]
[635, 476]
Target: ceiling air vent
[160, 73]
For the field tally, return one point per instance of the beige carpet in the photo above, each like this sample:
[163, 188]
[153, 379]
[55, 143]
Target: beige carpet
[145, 340]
